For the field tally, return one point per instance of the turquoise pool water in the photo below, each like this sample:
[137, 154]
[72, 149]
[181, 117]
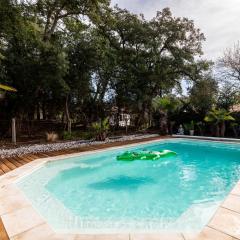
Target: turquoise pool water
[98, 193]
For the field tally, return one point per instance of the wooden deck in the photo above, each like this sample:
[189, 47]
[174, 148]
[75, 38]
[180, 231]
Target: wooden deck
[3, 233]
[11, 163]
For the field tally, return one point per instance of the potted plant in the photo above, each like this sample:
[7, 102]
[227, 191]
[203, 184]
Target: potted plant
[191, 130]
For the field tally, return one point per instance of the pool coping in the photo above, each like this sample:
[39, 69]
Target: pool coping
[21, 220]
[215, 139]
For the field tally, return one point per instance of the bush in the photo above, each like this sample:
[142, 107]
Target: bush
[78, 135]
[51, 137]
[87, 135]
[101, 129]
[67, 135]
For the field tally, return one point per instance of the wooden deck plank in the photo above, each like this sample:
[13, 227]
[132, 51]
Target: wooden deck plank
[9, 164]
[4, 167]
[28, 158]
[23, 159]
[42, 155]
[1, 172]
[33, 156]
[19, 160]
[3, 233]
[55, 153]
[64, 151]
[50, 154]
[14, 162]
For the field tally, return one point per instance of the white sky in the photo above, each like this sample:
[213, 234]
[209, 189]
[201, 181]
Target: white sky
[219, 20]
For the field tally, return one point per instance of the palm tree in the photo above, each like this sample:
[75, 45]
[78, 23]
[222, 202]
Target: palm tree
[218, 118]
[101, 129]
[7, 88]
[4, 88]
[164, 105]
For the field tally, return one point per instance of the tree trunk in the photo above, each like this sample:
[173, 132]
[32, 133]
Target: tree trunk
[235, 131]
[68, 119]
[164, 123]
[171, 124]
[38, 111]
[217, 130]
[222, 129]
[44, 110]
[200, 130]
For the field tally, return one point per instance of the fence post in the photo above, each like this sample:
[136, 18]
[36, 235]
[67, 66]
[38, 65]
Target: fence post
[14, 136]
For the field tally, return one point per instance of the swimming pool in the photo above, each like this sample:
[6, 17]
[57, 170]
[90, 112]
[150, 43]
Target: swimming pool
[96, 192]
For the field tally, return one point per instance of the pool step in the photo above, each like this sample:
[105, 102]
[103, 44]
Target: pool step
[195, 216]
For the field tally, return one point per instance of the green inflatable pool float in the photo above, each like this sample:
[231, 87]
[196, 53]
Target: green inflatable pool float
[145, 155]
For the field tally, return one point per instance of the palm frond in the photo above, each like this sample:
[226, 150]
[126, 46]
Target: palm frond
[7, 88]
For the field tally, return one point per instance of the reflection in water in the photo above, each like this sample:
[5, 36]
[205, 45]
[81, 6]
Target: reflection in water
[121, 183]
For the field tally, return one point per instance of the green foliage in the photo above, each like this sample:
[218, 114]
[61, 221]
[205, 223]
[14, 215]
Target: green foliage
[167, 104]
[166, 107]
[7, 88]
[101, 129]
[88, 135]
[203, 95]
[200, 126]
[228, 96]
[115, 59]
[218, 116]
[68, 136]
[189, 126]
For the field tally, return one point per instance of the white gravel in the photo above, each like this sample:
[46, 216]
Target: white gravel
[35, 148]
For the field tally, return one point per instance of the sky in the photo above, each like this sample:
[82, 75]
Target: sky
[219, 20]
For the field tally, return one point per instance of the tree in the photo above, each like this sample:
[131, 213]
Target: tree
[228, 96]
[153, 56]
[165, 106]
[51, 15]
[203, 94]
[74, 60]
[218, 118]
[230, 63]
[35, 59]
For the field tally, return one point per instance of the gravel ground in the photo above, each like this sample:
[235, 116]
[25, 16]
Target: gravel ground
[26, 149]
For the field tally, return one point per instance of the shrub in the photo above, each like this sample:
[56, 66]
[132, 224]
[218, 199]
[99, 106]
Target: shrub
[100, 129]
[51, 137]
